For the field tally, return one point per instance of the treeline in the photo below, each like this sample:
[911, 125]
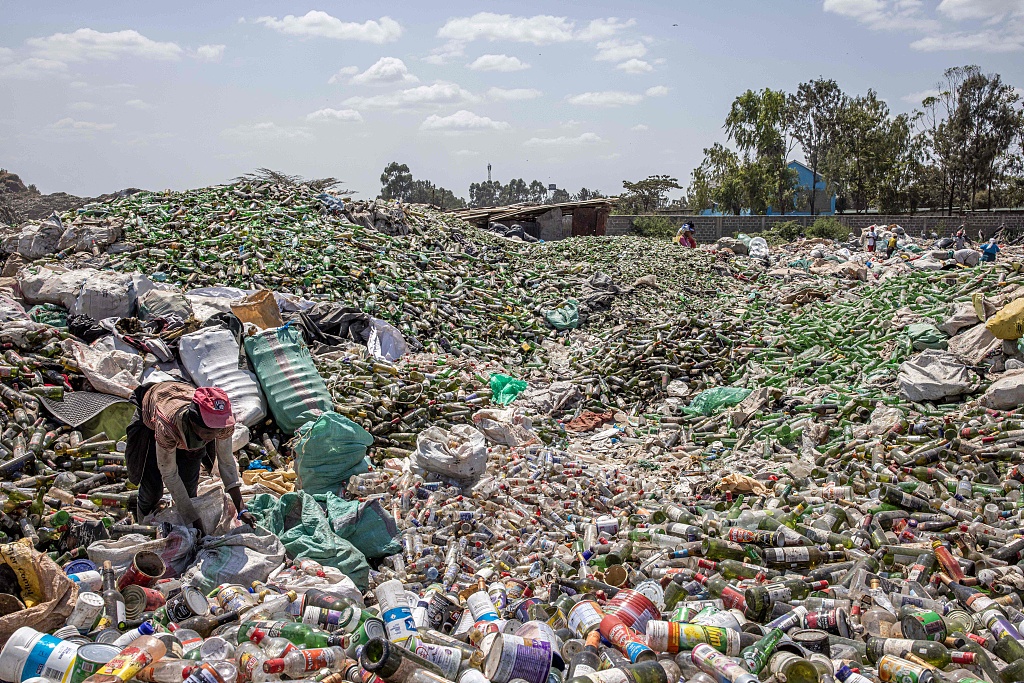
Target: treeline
[397, 183]
[961, 149]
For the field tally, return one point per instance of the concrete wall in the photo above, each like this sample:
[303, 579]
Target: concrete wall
[710, 228]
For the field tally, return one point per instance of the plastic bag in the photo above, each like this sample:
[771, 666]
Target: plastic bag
[305, 531]
[109, 372]
[566, 317]
[505, 389]
[710, 401]
[284, 366]
[105, 295]
[923, 336]
[157, 303]
[758, 248]
[1006, 393]
[1008, 321]
[239, 556]
[933, 375]
[210, 356]
[962, 315]
[459, 454]
[176, 549]
[328, 451]
[47, 592]
[385, 341]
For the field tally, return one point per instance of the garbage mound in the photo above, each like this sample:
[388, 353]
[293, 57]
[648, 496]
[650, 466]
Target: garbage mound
[262, 432]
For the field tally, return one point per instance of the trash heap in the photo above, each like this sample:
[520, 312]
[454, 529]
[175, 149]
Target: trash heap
[471, 458]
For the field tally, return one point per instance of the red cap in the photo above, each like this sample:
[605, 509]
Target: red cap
[214, 407]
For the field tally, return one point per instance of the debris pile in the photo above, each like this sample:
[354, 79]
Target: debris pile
[446, 455]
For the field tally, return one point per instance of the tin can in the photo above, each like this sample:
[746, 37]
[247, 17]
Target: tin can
[146, 568]
[634, 609]
[671, 637]
[923, 624]
[498, 595]
[813, 640]
[835, 621]
[521, 609]
[653, 591]
[90, 659]
[187, 603]
[443, 613]
[897, 670]
[511, 657]
[138, 600]
[88, 609]
[448, 659]
[367, 631]
[584, 617]
[515, 589]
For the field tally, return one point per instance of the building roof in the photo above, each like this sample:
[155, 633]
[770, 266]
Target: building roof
[485, 215]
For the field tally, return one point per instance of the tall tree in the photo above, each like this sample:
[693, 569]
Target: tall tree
[858, 160]
[759, 123]
[486, 193]
[538, 191]
[718, 182]
[644, 196]
[584, 194]
[396, 181]
[814, 111]
[514, 192]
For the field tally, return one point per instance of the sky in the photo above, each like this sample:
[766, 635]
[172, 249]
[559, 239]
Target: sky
[99, 96]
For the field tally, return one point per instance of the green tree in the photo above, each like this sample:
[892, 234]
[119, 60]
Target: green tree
[560, 196]
[718, 182]
[814, 113]
[584, 194]
[644, 196]
[859, 159]
[396, 181]
[515, 192]
[759, 123]
[538, 192]
[486, 193]
[426, 192]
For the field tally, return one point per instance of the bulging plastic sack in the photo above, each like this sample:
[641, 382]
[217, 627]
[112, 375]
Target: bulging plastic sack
[758, 248]
[210, 356]
[386, 341]
[459, 454]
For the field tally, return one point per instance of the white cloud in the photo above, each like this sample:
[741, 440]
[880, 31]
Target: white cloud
[266, 131]
[982, 41]
[609, 157]
[335, 115]
[451, 50]
[917, 97]
[540, 29]
[605, 98]
[497, 63]
[465, 153]
[987, 10]
[604, 28]
[513, 94]
[89, 44]
[640, 127]
[884, 15]
[6, 55]
[439, 93]
[635, 66]
[385, 71]
[619, 50]
[343, 73]
[33, 68]
[210, 53]
[462, 120]
[82, 106]
[138, 104]
[656, 91]
[323, 25]
[582, 139]
[70, 125]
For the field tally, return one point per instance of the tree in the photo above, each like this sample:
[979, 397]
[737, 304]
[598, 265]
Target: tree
[396, 182]
[862, 154]
[718, 182]
[814, 113]
[759, 123]
[560, 196]
[485, 193]
[644, 196]
[515, 192]
[538, 191]
[584, 194]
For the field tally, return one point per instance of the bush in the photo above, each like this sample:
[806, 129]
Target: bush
[782, 233]
[828, 228]
[654, 226]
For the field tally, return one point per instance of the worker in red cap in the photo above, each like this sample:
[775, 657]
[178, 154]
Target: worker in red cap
[175, 430]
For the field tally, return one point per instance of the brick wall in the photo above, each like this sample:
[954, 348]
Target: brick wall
[710, 228]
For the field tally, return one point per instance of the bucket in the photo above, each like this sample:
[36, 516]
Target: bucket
[259, 308]
[29, 653]
[146, 568]
[634, 609]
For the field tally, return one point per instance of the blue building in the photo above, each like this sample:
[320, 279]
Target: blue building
[824, 202]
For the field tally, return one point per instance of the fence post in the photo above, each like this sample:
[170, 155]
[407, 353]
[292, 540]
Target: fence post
[718, 228]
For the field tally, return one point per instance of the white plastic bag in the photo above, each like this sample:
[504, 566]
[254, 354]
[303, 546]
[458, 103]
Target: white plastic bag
[459, 454]
[934, 375]
[758, 248]
[109, 372]
[210, 356]
[105, 295]
[239, 556]
[1006, 393]
[385, 341]
[35, 240]
[53, 285]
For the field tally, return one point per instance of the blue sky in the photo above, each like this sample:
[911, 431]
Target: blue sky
[100, 96]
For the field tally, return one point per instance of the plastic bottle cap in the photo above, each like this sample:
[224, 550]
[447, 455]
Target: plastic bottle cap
[146, 629]
[274, 666]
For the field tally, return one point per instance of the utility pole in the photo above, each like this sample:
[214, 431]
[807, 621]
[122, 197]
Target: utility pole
[488, 173]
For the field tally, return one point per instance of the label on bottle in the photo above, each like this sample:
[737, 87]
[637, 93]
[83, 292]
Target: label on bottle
[127, 663]
[251, 663]
[328, 619]
[896, 670]
[778, 593]
[190, 644]
[204, 674]
[896, 646]
[584, 617]
[319, 658]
